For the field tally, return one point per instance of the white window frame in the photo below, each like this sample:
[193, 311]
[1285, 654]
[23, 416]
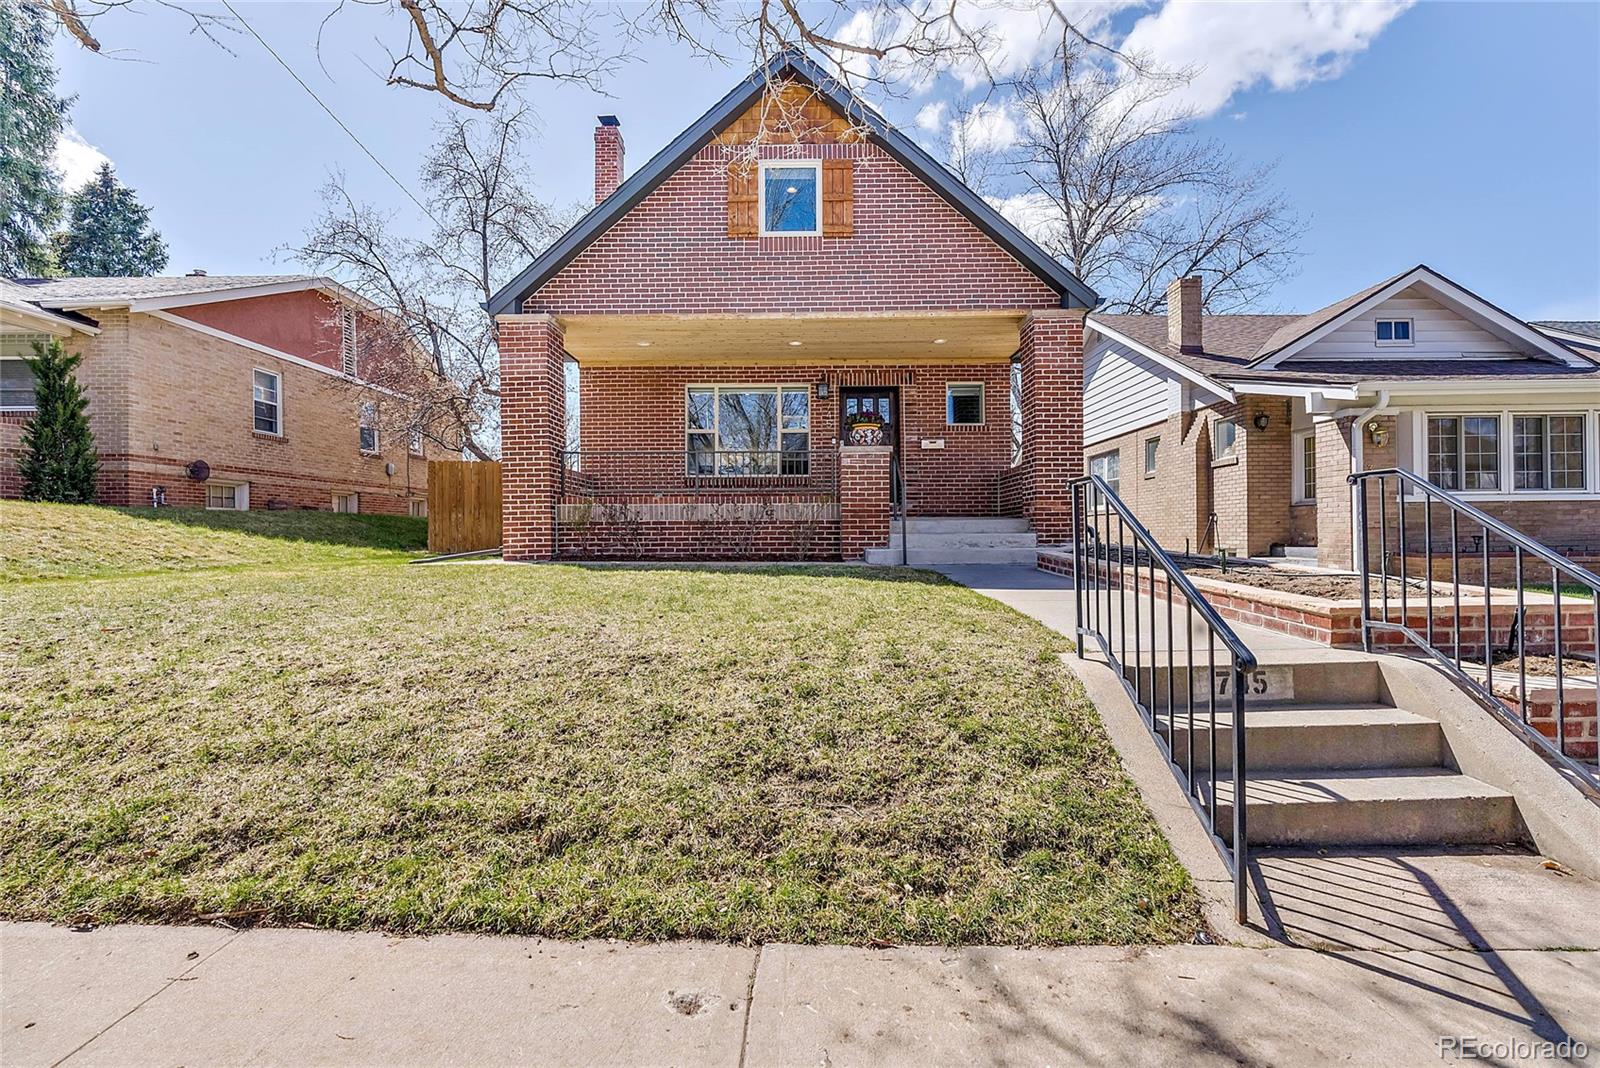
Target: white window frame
[348, 364]
[1507, 454]
[983, 405]
[761, 197]
[1411, 332]
[353, 498]
[716, 389]
[1151, 457]
[28, 337]
[277, 402]
[416, 444]
[1232, 452]
[362, 411]
[1299, 439]
[241, 496]
[1111, 458]
[417, 508]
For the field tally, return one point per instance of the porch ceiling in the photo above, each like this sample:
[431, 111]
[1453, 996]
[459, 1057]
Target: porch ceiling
[824, 337]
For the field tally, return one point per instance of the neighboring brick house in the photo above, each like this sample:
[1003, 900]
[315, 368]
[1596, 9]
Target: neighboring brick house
[220, 392]
[787, 261]
[1239, 431]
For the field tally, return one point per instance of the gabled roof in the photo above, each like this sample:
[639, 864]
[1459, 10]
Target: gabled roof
[1074, 293]
[161, 293]
[1293, 337]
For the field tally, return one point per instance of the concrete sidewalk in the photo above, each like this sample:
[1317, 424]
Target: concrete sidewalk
[199, 996]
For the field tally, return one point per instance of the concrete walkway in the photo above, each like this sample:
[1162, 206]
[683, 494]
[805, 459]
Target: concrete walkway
[199, 996]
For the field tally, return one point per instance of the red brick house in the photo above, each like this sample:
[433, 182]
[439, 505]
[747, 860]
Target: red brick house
[219, 392]
[1238, 432]
[788, 262]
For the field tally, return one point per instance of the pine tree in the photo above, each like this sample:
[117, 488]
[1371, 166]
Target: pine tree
[59, 461]
[31, 115]
[108, 232]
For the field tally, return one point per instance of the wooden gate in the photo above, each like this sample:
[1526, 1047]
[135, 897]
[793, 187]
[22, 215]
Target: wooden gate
[463, 505]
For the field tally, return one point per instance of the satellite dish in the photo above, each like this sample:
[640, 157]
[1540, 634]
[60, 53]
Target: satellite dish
[199, 470]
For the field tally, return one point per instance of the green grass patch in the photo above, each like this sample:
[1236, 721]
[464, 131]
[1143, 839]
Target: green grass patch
[52, 541]
[805, 755]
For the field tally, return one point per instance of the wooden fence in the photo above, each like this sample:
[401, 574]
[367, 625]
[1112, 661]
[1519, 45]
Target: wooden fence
[463, 506]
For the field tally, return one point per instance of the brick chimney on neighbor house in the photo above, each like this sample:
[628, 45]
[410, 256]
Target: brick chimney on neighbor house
[1183, 314]
[607, 157]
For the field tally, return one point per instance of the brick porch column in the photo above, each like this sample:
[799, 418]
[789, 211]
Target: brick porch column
[1335, 499]
[1052, 416]
[863, 499]
[533, 418]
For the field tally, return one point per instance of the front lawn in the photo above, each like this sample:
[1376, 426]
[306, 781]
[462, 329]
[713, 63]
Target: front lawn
[800, 755]
[76, 540]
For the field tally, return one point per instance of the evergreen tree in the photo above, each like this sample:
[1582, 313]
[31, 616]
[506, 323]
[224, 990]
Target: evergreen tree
[31, 115]
[59, 460]
[108, 232]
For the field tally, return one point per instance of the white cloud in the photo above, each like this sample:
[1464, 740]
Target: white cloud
[985, 128]
[1033, 213]
[1235, 47]
[931, 117]
[76, 159]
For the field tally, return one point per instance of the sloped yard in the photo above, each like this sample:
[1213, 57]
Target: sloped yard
[800, 755]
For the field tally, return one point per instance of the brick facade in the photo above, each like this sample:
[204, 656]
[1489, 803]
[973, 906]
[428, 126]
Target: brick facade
[162, 396]
[908, 250]
[533, 413]
[863, 499]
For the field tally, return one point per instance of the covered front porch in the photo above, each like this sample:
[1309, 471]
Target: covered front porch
[782, 436]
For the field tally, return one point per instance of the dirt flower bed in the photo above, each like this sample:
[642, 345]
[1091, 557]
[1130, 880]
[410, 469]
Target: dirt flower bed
[1545, 666]
[1305, 584]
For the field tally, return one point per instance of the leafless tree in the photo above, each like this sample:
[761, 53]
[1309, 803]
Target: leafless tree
[479, 53]
[487, 225]
[1122, 190]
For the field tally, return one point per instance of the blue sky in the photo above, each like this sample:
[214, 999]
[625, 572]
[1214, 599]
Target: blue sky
[1462, 135]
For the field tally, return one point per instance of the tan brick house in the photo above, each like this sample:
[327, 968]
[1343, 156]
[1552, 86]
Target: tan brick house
[218, 392]
[788, 267]
[1239, 431]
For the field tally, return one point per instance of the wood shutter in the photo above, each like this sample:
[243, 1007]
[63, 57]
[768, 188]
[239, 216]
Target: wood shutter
[742, 175]
[838, 197]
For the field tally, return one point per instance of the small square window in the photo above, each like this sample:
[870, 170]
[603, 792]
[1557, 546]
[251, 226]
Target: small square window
[418, 509]
[1394, 331]
[963, 404]
[1152, 447]
[228, 498]
[789, 198]
[346, 502]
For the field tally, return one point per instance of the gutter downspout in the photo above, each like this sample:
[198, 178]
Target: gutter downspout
[1358, 448]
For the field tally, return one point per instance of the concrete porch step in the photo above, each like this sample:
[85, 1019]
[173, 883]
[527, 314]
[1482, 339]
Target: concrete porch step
[1382, 807]
[960, 524]
[1326, 739]
[920, 557]
[967, 539]
[1333, 683]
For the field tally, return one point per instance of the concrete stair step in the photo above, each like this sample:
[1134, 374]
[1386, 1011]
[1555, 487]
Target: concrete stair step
[927, 524]
[919, 557]
[1337, 683]
[974, 539]
[1325, 739]
[1386, 807]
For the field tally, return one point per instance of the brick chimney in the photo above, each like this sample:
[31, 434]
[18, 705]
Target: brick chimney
[1183, 314]
[607, 157]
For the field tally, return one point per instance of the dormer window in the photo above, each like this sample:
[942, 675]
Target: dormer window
[790, 197]
[1394, 331]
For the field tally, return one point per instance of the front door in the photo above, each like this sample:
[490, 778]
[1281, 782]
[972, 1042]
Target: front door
[881, 401]
[877, 400]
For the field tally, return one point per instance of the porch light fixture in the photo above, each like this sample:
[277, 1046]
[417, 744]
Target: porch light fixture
[822, 388]
[642, 344]
[1261, 421]
[795, 344]
[1378, 433]
[938, 341]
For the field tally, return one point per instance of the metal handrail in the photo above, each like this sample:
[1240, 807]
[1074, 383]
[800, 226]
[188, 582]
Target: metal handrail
[1096, 507]
[897, 477]
[1523, 547]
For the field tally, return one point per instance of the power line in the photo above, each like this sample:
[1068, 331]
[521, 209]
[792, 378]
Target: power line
[312, 94]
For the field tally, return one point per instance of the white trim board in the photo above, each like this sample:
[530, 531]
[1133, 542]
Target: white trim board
[1177, 368]
[1548, 347]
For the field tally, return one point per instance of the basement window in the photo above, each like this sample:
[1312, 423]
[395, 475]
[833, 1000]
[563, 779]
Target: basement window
[963, 404]
[224, 497]
[346, 502]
